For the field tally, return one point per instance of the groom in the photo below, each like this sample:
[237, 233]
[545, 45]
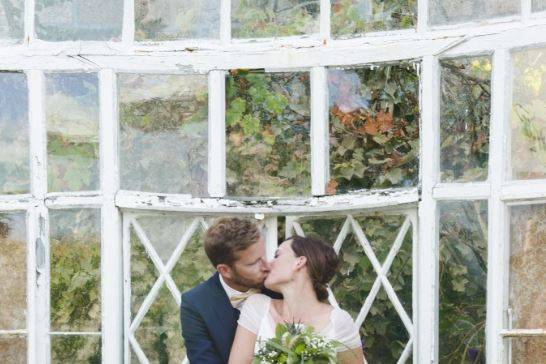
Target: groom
[209, 312]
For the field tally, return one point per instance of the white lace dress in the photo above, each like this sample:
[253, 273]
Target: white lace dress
[256, 317]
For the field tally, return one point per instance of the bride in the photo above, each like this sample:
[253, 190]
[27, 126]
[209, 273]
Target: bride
[300, 271]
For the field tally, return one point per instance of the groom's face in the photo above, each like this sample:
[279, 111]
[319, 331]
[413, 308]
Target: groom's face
[250, 267]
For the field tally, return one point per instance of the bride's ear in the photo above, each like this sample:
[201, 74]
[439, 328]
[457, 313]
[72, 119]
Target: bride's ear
[301, 262]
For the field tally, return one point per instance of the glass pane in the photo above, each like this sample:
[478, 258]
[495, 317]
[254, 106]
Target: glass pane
[12, 19]
[374, 127]
[274, 18]
[13, 350]
[528, 266]
[463, 281]
[527, 350]
[75, 270]
[176, 19]
[460, 11]
[539, 5]
[79, 19]
[163, 141]
[354, 17]
[465, 111]
[76, 349]
[72, 115]
[528, 120]
[267, 126]
[13, 274]
[159, 334]
[14, 166]
[383, 331]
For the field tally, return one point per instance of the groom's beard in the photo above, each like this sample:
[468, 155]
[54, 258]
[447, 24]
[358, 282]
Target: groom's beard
[245, 282]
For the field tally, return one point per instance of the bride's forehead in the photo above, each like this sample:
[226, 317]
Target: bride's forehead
[285, 245]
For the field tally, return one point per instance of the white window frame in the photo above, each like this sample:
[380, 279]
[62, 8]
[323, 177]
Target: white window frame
[427, 44]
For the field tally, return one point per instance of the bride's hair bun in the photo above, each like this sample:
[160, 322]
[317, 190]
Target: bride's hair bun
[322, 262]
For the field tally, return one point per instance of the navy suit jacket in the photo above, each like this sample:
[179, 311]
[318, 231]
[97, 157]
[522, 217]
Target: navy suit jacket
[209, 322]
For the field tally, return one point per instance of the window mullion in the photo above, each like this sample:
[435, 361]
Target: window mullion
[217, 134]
[498, 216]
[111, 224]
[319, 131]
[422, 16]
[271, 230]
[128, 27]
[29, 20]
[526, 9]
[427, 256]
[39, 223]
[325, 24]
[225, 22]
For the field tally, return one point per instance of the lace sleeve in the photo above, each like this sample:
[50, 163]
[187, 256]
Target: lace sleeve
[253, 311]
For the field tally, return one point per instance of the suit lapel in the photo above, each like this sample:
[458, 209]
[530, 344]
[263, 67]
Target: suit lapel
[225, 319]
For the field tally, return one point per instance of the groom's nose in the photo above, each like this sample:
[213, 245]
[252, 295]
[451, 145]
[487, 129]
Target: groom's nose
[265, 265]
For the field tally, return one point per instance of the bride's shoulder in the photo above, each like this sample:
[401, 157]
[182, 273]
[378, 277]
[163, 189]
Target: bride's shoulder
[341, 317]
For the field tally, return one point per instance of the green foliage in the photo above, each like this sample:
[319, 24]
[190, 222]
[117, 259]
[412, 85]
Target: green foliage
[274, 18]
[163, 121]
[296, 344]
[354, 17]
[463, 281]
[267, 127]
[374, 127]
[465, 113]
[383, 332]
[76, 349]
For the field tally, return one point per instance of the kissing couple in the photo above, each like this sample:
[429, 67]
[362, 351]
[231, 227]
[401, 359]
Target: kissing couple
[226, 318]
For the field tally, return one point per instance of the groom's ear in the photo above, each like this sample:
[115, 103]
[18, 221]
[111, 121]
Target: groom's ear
[224, 270]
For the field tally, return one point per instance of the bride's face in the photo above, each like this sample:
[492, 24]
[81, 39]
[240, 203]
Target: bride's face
[282, 267]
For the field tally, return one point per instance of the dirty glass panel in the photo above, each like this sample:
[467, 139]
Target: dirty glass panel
[274, 18]
[527, 350]
[163, 139]
[459, 11]
[64, 20]
[528, 266]
[528, 120]
[267, 128]
[72, 118]
[13, 274]
[374, 127]
[463, 281]
[354, 17]
[75, 270]
[12, 19]
[539, 5]
[465, 112]
[162, 20]
[384, 334]
[14, 166]
[13, 349]
[76, 349]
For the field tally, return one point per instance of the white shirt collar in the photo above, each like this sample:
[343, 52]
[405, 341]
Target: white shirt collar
[230, 292]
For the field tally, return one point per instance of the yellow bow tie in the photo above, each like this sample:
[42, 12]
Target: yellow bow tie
[238, 299]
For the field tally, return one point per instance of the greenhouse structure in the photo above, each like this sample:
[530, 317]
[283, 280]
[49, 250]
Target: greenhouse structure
[409, 134]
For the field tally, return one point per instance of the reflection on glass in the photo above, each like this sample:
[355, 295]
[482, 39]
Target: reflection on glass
[163, 141]
[528, 267]
[463, 280]
[274, 18]
[176, 19]
[539, 5]
[374, 127]
[72, 116]
[13, 350]
[460, 11]
[13, 272]
[79, 20]
[384, 333]
[528, 120]
[12, 19]
[527, 350]
[465, 111]
[75, 270]
[14, 166]
[267, 127]
[159, 332]
[76, 349]
[354, 17]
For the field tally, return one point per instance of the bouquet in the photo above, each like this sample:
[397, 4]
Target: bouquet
[296, 344]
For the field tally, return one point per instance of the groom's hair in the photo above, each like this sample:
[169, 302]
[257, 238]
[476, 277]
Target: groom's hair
[228, 236]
